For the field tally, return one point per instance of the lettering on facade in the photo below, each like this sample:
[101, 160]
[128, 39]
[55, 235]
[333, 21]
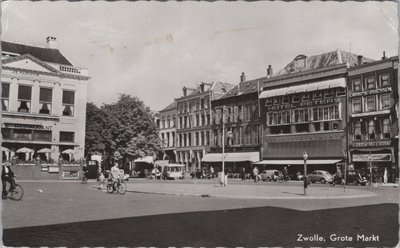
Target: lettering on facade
[381, 112]
[372, 157]
[372, 143]
[27, 126]
[303, 104]
[371, 92]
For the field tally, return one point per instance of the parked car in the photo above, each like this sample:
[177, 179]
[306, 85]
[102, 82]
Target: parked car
[270, 175]
[199, 173]
[356, 177]
[320, 176]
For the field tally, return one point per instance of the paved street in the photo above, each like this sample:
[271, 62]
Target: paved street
[66, 209]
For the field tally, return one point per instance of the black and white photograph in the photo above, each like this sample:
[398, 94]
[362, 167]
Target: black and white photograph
[199, 124]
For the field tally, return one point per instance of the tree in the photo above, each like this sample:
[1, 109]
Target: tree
[95, 124]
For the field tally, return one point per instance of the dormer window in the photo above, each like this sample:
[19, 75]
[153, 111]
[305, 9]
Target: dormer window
[300, 61]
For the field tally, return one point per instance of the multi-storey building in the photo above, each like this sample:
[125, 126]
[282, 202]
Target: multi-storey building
[372, 97]
[303, 108]
[236, 116]
[167, 131]
[194, 122]
[43, 102]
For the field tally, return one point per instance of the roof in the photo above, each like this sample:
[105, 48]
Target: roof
[218, 88]
[243, 88]
[322, 60]
[44, 54]
[169, 107]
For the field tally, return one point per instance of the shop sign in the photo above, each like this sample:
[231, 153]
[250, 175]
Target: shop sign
[372, 143]
[54, 169]
[371, 92]
[26, 126]
[380, 112]
[303, 104]
[372, 157]
[45, 168]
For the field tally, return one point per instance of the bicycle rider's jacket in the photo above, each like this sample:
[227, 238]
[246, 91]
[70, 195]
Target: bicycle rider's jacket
[114, 172]
[7, 172]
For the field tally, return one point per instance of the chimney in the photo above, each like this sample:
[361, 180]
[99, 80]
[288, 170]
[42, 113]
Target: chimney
[269, 71]
[359, 59]
[384, 55]
[243, 77]
[202, 87]
[184, 89]
[52, 42]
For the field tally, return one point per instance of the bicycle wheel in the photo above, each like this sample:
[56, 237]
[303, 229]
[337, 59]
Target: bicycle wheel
[110, 188]
[17, 193]
[122, 188]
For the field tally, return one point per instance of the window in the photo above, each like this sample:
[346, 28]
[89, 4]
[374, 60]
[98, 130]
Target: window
[386, 128]
[24, 98]
[385, 101]
[340, 91]
[326, 113]
[357, 131]
[328, 93]
[277, 100]
[67, 136]
[356, 85]
[356, 103]
[268, 102]
[317, 95]
[45, 98]
[5, 96]
[286, 99]
[300, 63]
[370, 103]
[201, 103]
[371, 129]
[301, 115]
[68, 101]
[370, 82]
[384, 80]
[296, 98]
[305, 97]
[278, 118]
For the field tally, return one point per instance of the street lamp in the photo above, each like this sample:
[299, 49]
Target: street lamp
[305, 157]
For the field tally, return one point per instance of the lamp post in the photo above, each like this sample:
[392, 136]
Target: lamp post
[305, 157]
[370, 169]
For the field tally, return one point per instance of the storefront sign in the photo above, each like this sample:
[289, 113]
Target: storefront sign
[380, 112]
[303, 104]
[70, 174]
[27, 126]
[372, 157]
[45, 168]
[371, 92]
[372, 143]
[54, 169]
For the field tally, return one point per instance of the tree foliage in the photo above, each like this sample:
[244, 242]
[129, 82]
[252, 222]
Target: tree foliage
[126, 127]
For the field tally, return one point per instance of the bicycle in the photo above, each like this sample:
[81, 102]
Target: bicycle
[119, 187]
[16, 194]
[283, 178]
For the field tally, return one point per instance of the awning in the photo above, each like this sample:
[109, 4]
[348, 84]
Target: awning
[232, 157]
[328, 84]
[147, 159]
[299, 162]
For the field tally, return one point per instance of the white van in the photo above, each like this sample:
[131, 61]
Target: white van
[172, 171]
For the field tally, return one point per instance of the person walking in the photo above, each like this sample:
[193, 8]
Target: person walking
[212, 171]
[255, 174]
[243, 174]
[102, 179]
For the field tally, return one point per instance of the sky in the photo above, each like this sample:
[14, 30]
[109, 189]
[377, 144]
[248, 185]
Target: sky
[152, 49]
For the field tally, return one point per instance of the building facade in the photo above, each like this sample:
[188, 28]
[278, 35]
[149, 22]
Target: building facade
[373, 126]
[236, 117]
[303, 109]
[43, 104]
[194, 122]
[167, 131]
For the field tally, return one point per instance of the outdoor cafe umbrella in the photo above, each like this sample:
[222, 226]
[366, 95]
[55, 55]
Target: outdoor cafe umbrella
[6, 151]
[27, 152]
[70, 152]
[46, 151]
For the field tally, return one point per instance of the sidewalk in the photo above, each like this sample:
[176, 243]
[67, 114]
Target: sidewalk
[256, 191]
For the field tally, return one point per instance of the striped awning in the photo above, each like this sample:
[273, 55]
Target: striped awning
[328, 84]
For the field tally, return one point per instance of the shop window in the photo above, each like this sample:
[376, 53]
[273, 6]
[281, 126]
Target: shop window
[340, 91]
[5, 96]
[335, 126]
[384, 80]
[386, 128]
[356, 103]
[371, 129]
[385, 101]
[328, 93]
[305, 97]
[302, 128]
[296, 98]
[327, 126]
[39, 135]
[22, 134]
[68, 101]
[370, 103]
[356, 85]
[45, 99]
[268, 101]
[317, 126]
[357, 131]
[67, 137]
[370, 83]
[317, 95]
[24, 98]
[6, 133]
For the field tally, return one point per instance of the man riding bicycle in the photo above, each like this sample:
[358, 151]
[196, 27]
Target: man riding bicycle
[114, 175]
[7, 175]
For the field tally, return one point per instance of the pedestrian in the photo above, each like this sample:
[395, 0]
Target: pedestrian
[102, 179]
[243, 174]
[255, 174]
[285, 173]
[212, 171]
[7, 175]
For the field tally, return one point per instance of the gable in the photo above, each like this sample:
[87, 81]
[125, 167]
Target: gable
[27, 62]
